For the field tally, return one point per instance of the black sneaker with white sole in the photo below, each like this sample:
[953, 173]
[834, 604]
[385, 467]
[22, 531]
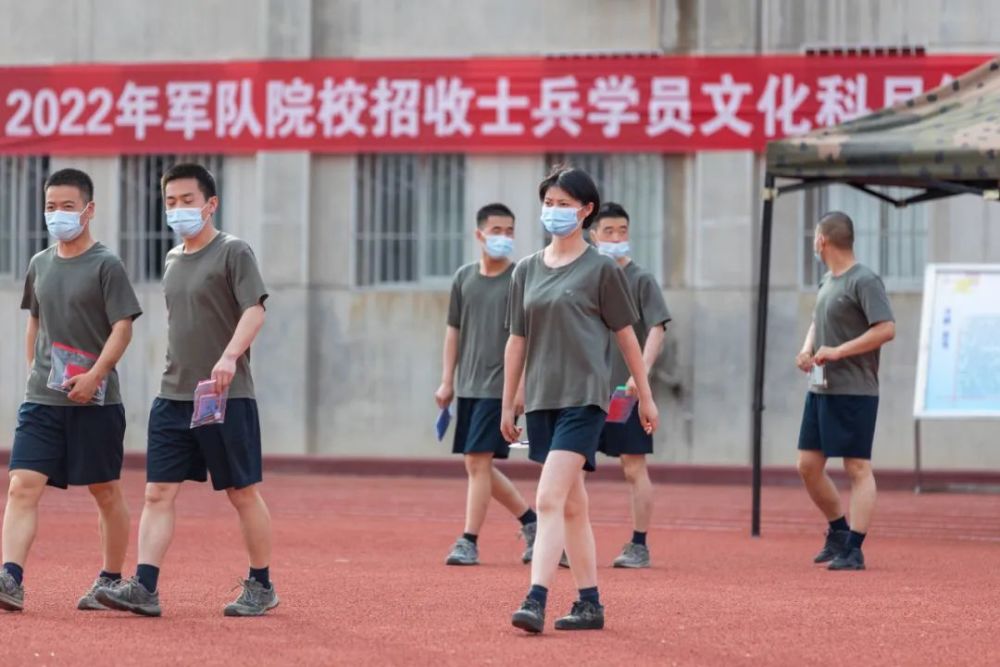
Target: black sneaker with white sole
[585, 615]
[530, 617]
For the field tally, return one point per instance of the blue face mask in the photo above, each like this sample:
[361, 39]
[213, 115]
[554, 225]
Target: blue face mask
[559, 220]
[498, 246]
[63, 225]
[185, 221]
[615, 250]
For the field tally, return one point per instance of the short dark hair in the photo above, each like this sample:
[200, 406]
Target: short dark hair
[610, 209]
[838, 228]
[206, 182]
[577, 183]
[78, 179]
[496, 208]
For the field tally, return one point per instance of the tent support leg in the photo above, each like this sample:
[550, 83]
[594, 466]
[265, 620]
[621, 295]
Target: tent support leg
[761, 348]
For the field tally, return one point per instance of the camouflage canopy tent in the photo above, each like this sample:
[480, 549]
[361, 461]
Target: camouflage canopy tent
[943, 143]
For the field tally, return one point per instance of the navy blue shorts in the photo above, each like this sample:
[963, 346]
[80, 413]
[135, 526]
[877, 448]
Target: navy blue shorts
[627, 438]
[477, 428]
[230, 451]
[70, 445]
[839, 425]
[566, 429]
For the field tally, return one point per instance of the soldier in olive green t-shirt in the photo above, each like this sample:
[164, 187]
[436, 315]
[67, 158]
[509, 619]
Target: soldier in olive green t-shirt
[473, 352]
[215, 308]
[567, 302]
[628, 440]
[71, 426]
[852, 321]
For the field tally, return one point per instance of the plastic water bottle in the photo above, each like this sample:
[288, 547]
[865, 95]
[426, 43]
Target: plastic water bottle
[622, 404]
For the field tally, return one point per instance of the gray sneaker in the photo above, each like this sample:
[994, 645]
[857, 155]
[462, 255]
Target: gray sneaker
[11, 592]
[633, 556]
[131, 596]
[255, 600]
[88, 602]
[463, 553]
[528, 532]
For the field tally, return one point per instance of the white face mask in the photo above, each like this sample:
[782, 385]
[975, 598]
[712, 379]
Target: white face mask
[63, 225]
[185, 221]
[559, 220]
[498, 246]
[614, 250]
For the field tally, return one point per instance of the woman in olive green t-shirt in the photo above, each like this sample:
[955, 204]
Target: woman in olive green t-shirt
[565, 302]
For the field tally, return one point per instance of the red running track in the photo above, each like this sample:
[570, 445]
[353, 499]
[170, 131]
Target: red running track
[358, 563]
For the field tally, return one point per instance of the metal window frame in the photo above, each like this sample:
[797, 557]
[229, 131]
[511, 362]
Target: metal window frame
[144, 238]
[22, 207]
[409, 210]
[816, 200]
[611, 171]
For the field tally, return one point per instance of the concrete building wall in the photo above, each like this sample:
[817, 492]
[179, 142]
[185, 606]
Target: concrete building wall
[348, 371]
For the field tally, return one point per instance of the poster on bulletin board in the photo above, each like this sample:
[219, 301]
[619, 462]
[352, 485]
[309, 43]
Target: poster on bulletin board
[958, 370]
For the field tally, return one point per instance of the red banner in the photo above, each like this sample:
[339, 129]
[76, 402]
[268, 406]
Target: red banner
[620, 104]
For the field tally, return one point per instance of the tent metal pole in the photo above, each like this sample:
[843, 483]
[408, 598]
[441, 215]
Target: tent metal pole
[761, 347]
[878, 195]
[955, 187]
[930, 194]
[806, 184]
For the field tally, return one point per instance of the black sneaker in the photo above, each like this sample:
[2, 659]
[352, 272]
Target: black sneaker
[130, 596]
[851, 559]
[11, 592]
[530, 617]
[836, 544]
[585, 615]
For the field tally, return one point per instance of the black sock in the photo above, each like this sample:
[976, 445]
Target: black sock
[839, 524]
[590, 595]
[638, 538]
[15, 571]
[855, 540]
[472, 538]
[539, 594]
[262, 575]
[148, 576]
[113, 576]
[528, 517]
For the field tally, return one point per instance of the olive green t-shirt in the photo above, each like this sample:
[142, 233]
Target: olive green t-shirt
[76, 301]
[207, 293]
[846, 307]
[567, 316]
[648, 301]
[477, 309]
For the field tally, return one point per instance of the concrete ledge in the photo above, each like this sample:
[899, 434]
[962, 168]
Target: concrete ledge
[661, 473]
